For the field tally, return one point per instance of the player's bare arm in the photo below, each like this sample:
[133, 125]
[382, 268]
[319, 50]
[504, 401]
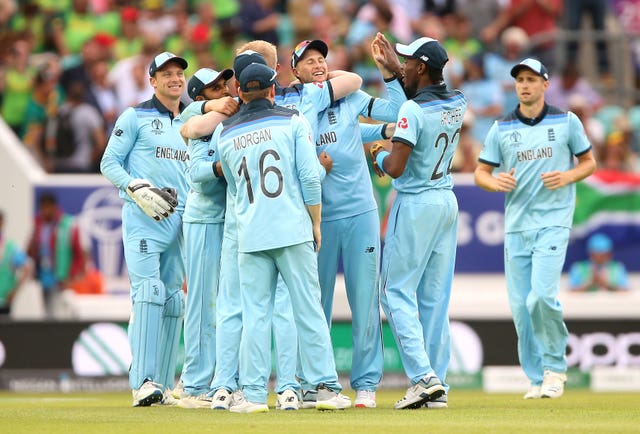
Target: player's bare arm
[315, 212]
[201, 125]
[343, 83]
[504, 182]
[556, 179]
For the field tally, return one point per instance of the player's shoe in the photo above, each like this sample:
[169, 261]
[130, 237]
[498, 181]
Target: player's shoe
[309, 398]
[533, 392]
[287, 400]
[221, 400]
[237, 397]
[167, 399]
[199, 401]
[429, 388]
[365, 399]
[178, 390]
[440, 402]
[149, 393]
[245, 406]
[552, 384]
[328, 399]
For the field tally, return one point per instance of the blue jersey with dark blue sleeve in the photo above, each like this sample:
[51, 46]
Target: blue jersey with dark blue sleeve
[146, 143]
[430, 124]
[533, 147]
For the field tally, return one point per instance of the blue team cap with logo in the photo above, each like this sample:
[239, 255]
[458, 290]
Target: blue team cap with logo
[428, 50]
[245, 59]
[205, 77]
[303, 46]
[533, 65]
[599, 243]
[256, 77]
[162, 59]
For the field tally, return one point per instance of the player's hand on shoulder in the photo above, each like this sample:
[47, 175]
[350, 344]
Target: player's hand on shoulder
[157, 203]
[226, 105]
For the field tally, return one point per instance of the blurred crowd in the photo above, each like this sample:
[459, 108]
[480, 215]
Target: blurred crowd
[68, 68]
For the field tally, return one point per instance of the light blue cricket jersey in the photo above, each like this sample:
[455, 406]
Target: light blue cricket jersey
[308, 99]
[146, 143]
[430, 124]
[206, 202]
[268, 159]
[340, 135]
[533, 147]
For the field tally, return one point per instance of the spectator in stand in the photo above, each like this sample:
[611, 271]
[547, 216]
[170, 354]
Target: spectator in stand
[513, 47]
[44, 103]
[598, 11]
[77, 148]
[616, 153]
[484, 96]
[56, 249]
[16, 82]
[129, 76]
[460, 43]
[153, 19]
[600, 272]
[260, 20]
[15, 269]
[104, 94]
[74, 28]
[592, 126]
[539, 18]
[129, 41]
[572, 82]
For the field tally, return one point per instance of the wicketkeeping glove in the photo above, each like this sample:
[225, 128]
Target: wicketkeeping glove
[373, 151]
[156, 202]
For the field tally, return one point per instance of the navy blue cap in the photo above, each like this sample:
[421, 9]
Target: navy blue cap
[428, 50]
[303, 46]
[257, 76]
[205, 77]
[162, 59]
[533, 65]
[245, 59]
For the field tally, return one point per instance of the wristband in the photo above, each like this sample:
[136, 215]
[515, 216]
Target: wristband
[380, 158]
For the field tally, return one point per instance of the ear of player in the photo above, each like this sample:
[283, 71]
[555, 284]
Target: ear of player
[157, 203]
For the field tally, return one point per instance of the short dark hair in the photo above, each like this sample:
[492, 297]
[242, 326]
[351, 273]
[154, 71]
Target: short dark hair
[48, 197]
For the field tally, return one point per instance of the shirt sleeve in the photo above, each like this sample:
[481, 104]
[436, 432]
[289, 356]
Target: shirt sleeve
[578, 141]
[121, 142]
[202, 156]
[490, 153]
[386, 110]
[371, 132]
[408, 125]
[306, 162]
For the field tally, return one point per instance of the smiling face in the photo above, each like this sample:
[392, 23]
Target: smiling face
[530, 87]
[311, 67]
[169, 81]
[217, 90]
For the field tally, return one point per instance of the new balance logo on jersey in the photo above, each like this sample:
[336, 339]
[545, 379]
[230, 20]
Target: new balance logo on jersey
[326, 138]
[369, 249]
[143, 246]
[553, 248]
[211, 152]
[332, 117]
[551, 135]
[117, 132]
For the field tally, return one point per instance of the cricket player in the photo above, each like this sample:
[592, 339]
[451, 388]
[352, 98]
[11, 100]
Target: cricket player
[146, 159]
[268, 160]
[420, 245]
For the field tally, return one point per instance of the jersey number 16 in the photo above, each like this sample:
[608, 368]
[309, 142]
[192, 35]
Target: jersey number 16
[243, 171]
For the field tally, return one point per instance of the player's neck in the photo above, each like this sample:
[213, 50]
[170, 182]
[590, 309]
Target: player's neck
[173, 104]
[532, 111]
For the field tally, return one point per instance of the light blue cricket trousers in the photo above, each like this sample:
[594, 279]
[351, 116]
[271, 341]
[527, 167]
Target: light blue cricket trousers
[418, 262]
[204, 243]
[357, 240]
[533, 263]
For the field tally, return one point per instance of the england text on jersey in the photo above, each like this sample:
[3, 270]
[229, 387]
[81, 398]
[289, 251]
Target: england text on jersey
[535, 154]
[252, 138]
[171, 154]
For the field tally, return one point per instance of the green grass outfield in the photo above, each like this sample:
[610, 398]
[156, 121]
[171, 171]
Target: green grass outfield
[578, 411]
